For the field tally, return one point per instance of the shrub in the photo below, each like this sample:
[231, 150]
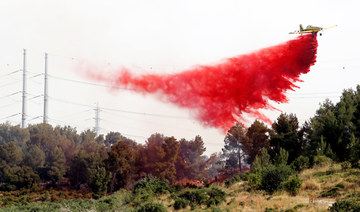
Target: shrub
[229, 182]
[254, 180]
[107, 204]
[333, 192]
[154, 185]
[152, 207]
[300, 163]
[345, 205]
[181, 203]
[340, 185]
[78, 205]
[216, 196]
[293, 185]
[273, 177]
[321, 160]
[345, 165]
[215, 209]
[310, 184]
[270, 210]
[195, 196]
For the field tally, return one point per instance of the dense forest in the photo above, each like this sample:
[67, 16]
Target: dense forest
[45, 156]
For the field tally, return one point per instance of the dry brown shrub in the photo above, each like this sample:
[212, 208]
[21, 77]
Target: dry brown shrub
[310, 184]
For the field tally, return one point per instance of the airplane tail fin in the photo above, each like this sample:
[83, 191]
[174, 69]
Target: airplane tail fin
[301, 27]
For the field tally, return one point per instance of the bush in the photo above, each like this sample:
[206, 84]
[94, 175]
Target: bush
[152, 207]
[293, 185]
[345, 205]
[216, 196]
[229, 182]
[107, 204]
[254, 180]
[154, 185]
[340, 185]
[321, 160]
[345, 165]
[273, 177]
[333, 192]
[195, 196]
[300, 163]
[215, 209]
[181, 203]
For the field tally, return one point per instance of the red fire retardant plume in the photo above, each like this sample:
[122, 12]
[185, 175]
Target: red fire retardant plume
[222, 94]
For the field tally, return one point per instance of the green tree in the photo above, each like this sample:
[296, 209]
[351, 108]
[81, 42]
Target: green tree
[285, 136]
[19, 136]
[281, 158]
[191, 163]
[354, 152]
[233, 148]
[55, 164]
[112, 138]
[34, 157]
[261, 161]
[258, 138]
[81, 165]
[336, 123]
[10, 154]
[98, 182]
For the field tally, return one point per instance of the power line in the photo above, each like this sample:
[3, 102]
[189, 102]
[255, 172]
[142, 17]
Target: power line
[10, 116]
[4, 75]
[10, 95]
[118, 110]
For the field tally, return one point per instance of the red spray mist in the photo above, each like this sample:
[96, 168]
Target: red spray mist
[222, 94]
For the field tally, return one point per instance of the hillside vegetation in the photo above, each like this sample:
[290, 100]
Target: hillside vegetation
[321, 187]
[282, 167]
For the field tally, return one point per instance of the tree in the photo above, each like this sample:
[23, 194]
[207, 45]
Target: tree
[158, 157]
[258, 138]
[112, 138]
[121, 164]
[98, 182]
[233, 148]
[55, 165]
[337, 123]
[10, 154]
[355, 152]
[191, 163]
[81, 165]
[34, 157]
[285, 136]
[19, 136]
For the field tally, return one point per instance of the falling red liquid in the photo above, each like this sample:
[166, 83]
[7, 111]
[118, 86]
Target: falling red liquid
[222, 94]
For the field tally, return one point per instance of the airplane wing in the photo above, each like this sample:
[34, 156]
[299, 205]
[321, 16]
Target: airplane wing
[295, 32]
[330, 27]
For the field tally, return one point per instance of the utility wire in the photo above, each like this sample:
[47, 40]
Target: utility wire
[10, 116]
[4, 75]
[118, 110]
[10, 95]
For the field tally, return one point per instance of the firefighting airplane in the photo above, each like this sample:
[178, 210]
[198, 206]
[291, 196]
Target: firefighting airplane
[310, 29]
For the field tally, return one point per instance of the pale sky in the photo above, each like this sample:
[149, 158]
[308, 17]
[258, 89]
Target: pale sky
[160, 37]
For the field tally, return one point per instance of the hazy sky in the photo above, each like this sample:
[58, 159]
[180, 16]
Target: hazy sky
[160, 37]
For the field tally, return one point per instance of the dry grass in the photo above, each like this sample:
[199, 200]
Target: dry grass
[314, 182]
[310, 185]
